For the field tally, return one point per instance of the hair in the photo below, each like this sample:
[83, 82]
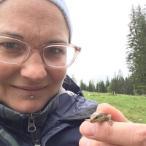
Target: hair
[65, 12]
[63, 8]
[1, 1]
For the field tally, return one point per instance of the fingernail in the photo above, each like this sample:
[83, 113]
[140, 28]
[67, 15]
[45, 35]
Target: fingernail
[89, 129]
[85, 142]
[92, 128]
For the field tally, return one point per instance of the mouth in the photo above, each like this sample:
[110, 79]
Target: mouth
[30, 88]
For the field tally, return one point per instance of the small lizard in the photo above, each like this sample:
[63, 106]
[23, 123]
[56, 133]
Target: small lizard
[100, 117]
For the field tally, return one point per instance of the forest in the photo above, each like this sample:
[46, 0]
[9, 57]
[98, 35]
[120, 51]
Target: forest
[135, 83]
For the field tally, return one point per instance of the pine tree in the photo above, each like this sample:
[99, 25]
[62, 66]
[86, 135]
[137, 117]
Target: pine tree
[136, 58]
[101, 87]
[91, 86]
[83, 85]
[107, 84]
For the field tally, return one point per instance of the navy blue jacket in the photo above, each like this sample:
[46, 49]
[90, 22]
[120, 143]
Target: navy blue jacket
[56, 125]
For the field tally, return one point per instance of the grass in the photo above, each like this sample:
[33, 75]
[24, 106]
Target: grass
[133, 107]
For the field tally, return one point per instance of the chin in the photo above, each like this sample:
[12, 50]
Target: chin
[28, 107]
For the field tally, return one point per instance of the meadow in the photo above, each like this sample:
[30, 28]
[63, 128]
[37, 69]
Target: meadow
[133, 107]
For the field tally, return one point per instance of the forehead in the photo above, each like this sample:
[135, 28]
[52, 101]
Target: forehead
[40, 17]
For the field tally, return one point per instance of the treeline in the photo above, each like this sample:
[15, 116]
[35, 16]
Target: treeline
[136, 60]
[117, 85]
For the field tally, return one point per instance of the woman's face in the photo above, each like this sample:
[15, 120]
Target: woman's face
[37, 23]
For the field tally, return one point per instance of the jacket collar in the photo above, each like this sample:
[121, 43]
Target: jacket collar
[65, 106]
[16, 120]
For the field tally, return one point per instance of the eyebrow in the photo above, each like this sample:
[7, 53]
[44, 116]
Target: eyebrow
[12, 34]
[20, 37]
[56, 41]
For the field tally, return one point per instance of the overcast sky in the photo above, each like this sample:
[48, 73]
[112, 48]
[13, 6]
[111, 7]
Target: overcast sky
[100, 27]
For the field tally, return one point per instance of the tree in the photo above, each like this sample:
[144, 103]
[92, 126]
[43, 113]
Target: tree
[91, 86]
[101, 87]
[117, 84]
[113, 86]
[136, 57]
[83, 85]
[128, 87]
[96, 87]
[107, 84]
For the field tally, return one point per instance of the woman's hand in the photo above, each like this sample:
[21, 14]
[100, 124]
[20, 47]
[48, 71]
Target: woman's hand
[120, 133]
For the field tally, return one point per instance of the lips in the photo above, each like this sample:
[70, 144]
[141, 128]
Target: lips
[30, 88]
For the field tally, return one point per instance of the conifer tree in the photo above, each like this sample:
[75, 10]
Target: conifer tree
[136, 58]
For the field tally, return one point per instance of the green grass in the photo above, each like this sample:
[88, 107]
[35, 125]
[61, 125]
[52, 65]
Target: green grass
[133, 107]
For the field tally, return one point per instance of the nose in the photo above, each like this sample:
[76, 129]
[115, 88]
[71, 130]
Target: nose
[34, 68]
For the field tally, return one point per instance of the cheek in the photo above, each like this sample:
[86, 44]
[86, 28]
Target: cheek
[57, 75]
[7, 71]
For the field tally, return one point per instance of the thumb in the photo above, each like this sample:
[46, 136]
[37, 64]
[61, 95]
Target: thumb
[109, 109]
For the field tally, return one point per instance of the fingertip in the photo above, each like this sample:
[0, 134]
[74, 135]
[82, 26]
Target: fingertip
[104, 107]
[84, 141]
[83, 127]
[116, 114]
[87, 129]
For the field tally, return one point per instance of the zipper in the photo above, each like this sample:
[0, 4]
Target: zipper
[32, 129]
[31, 124]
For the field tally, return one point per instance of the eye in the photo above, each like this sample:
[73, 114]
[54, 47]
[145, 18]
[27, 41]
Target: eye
[10, 45]
[55, 51]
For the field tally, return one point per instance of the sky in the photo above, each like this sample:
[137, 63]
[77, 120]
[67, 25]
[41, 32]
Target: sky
[100, 28]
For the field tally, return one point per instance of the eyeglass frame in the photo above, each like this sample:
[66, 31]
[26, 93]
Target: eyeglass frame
[28, 48]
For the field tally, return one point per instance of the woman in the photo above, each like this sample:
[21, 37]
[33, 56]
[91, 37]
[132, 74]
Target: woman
[35, 52]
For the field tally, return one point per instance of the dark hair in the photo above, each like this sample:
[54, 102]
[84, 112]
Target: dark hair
[70, 85]
[2, 1]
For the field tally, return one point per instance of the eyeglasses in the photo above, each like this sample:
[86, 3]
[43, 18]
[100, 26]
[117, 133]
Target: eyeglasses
[57, 55]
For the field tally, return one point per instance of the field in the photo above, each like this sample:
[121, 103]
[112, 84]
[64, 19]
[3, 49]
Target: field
[133, 107]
